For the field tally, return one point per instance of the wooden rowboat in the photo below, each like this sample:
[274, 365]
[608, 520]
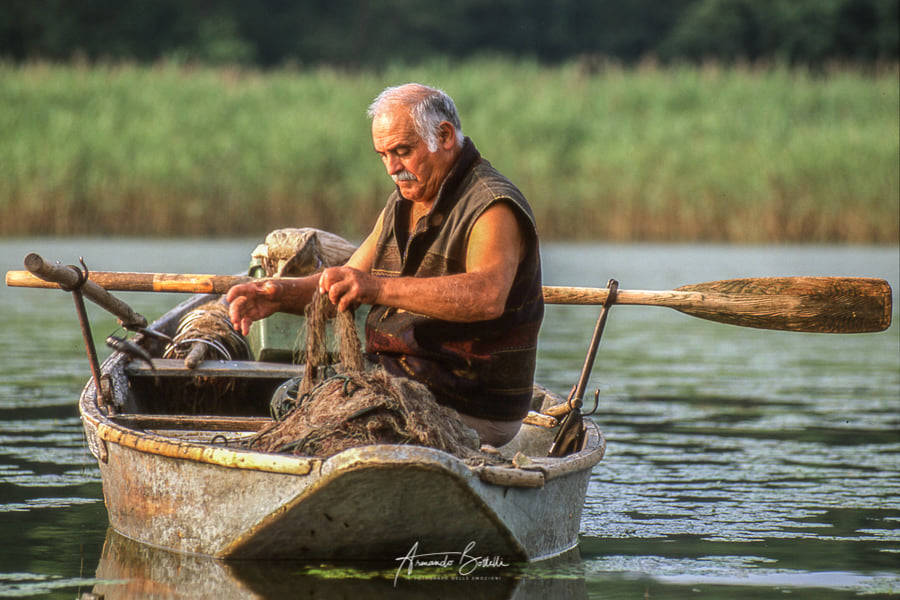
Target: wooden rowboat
[179, 479]
[176, 476]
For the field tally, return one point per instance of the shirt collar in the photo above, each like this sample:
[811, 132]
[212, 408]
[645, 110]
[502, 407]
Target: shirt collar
[447, 196]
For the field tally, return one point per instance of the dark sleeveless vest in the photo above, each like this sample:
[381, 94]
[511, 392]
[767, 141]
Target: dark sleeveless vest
[483, 369]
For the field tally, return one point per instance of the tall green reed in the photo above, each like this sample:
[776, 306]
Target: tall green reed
[743, 154]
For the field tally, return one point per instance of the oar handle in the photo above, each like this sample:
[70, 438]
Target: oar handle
[124, 281]
[69, 278]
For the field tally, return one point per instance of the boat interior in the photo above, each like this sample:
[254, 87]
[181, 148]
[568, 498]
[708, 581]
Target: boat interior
[225, 401]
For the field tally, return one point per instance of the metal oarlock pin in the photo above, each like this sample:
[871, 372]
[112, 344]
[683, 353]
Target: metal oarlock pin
[570, 436]
[81, 311]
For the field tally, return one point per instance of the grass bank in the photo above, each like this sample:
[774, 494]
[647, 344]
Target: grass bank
[652, 153]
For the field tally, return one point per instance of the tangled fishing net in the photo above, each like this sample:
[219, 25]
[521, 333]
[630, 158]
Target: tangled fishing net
[354, 407]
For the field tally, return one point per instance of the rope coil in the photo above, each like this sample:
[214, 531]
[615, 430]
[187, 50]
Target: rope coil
[210, 326]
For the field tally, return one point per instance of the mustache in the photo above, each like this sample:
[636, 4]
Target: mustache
[404, 176]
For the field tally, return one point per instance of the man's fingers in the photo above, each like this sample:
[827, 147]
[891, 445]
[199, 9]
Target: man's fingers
[245, 326]
[345, 287]
[235, 292]
[332, 283]
[336, 291]
[235, 309]
[343, 302]
[327, 279]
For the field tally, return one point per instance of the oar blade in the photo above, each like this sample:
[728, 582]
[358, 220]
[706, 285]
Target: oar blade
[807, 304]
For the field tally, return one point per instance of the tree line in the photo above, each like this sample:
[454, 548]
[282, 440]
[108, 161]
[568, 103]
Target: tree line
[366, 33]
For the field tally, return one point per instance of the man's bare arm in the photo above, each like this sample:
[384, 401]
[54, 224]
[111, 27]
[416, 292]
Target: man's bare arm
[495, 249]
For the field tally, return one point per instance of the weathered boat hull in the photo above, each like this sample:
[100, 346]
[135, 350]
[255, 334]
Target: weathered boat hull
[177, 490]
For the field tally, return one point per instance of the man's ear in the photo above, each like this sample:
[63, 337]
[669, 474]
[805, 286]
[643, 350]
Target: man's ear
[446, 135]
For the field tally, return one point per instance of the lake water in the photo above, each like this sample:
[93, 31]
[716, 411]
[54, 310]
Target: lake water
[741, 463]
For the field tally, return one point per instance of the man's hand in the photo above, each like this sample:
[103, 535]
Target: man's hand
[348, 287]
[250, 302]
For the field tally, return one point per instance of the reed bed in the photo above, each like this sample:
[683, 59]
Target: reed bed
[740, 154]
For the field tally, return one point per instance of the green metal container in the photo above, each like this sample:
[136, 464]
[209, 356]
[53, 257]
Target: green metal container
[275, 338]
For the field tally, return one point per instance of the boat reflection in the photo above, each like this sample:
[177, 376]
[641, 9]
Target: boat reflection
[130, 569]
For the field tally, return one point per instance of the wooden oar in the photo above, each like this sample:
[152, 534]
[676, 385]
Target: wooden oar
[813, 304]
[57, 276]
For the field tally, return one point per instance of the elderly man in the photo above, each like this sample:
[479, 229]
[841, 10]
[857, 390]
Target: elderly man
[451, 269]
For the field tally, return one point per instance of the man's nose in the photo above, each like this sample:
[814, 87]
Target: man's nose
[392, 164]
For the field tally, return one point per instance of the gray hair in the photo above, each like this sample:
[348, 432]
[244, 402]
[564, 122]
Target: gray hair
[428, 107]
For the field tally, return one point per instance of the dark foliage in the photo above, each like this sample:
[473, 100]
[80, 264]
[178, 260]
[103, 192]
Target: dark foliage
[365, 33]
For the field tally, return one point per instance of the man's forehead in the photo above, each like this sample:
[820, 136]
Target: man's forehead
[393, 122]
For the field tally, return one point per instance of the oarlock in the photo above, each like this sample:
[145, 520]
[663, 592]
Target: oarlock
[570, 436]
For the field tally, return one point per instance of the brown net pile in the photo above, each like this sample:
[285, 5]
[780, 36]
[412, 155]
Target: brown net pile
[357, 408]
